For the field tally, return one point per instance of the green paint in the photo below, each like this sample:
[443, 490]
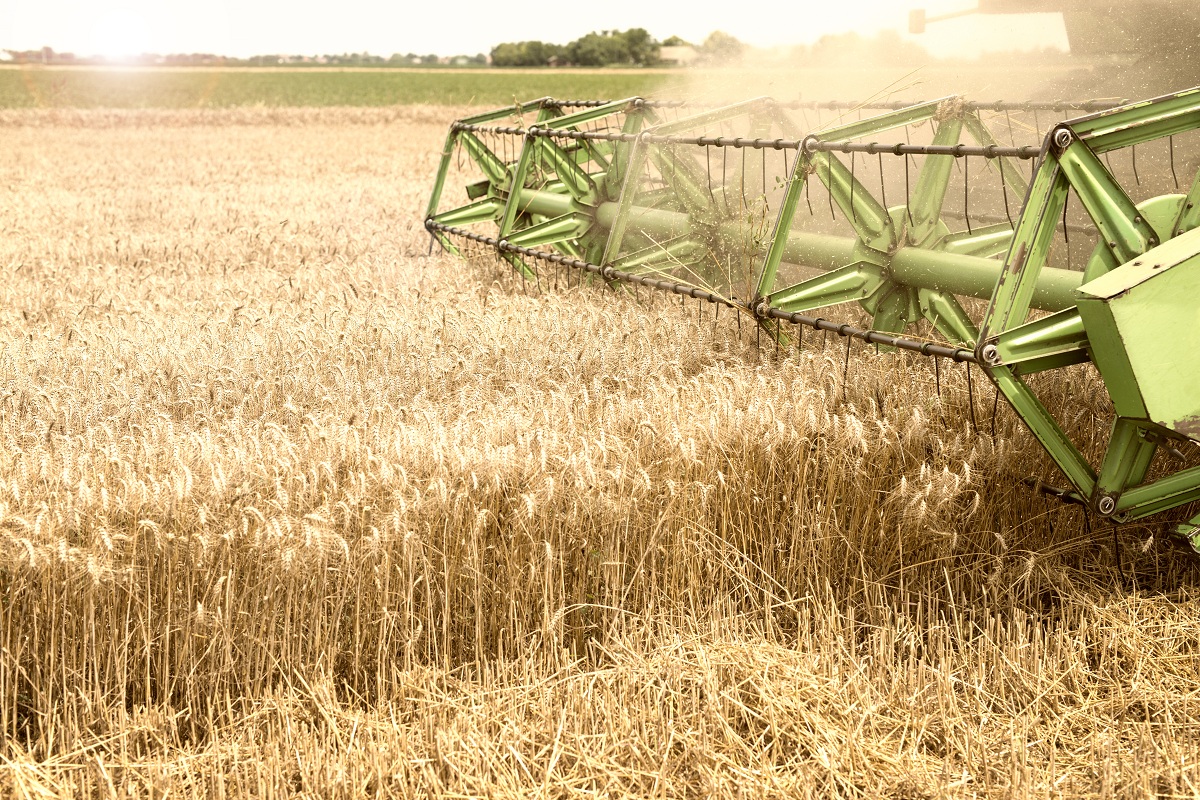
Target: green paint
[1144, 320]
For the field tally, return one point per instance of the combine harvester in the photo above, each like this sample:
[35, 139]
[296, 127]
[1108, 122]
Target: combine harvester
[940, 228]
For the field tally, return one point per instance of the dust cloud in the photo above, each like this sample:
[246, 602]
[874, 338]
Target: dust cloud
[1129, 51]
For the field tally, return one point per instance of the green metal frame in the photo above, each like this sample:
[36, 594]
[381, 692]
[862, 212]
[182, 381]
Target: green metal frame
[895, 287]
[588, 199]
[546, 198]
[1014, 344]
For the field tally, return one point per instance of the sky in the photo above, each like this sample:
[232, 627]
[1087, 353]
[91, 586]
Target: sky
[309, 27]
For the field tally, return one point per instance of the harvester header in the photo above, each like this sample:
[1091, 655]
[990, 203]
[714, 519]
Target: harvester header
[1022, 238]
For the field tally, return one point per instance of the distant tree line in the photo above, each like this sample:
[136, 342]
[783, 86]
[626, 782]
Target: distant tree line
[634, 47]
[49, 56]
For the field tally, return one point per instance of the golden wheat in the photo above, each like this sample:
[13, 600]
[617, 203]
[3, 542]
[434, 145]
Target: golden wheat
[290, 507]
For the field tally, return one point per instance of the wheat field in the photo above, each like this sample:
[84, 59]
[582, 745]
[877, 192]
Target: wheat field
[292, 506]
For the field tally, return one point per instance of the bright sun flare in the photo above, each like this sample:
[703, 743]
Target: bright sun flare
[120, 34]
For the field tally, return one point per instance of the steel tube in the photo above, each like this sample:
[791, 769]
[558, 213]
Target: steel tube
[973, 276]
[970, 276]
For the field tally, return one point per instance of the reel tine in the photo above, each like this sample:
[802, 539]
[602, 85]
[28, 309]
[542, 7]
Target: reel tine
[1066, 228]
[967, 192]
[907, 192]
[882, 183]
[853, 183]
[724, 177]
[829, 186]
[1171, 157]
[1004, 192]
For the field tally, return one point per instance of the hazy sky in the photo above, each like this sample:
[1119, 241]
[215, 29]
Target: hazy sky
[248, 27]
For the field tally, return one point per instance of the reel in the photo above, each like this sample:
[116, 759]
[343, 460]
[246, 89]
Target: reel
[958, 228]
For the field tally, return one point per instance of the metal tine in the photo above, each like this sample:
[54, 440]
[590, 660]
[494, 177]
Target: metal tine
[1004, 193]
[907, 192]
[745, 205]
[829, 186]
[846, 368]
[708, 171]
[762, 160]
[1117, 553]
[1171, 157]
[971, 399]
[1066, 233]
[1133, 158]
[967, 191]
[853, 211]
[995, 408]
[882, 189]
[724, 178]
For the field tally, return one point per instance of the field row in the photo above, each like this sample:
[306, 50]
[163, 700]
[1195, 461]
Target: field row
[204, 88]
[80, 87]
